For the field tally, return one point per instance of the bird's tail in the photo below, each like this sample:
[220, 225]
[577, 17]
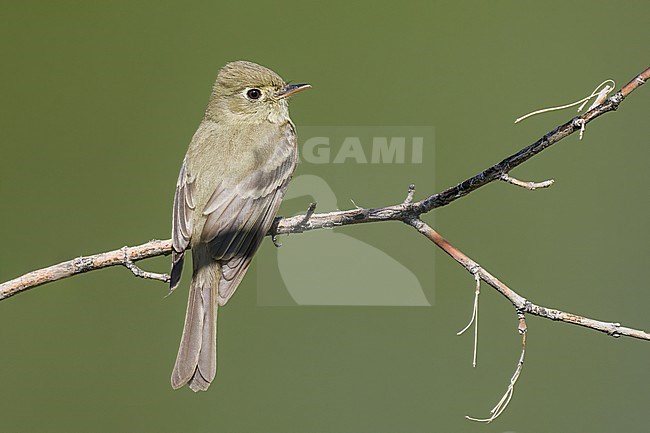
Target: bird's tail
[196, 362]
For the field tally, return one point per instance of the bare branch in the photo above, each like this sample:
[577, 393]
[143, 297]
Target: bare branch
[400, 211]
[521, 304]
[528, 185]
[140, 272]
[407, 211]
[84, 264]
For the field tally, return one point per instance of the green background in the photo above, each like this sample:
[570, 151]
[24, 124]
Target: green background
[98, 101]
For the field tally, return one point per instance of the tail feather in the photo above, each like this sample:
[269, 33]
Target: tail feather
[196, 362]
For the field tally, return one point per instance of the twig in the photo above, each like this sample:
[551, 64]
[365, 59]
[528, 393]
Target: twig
[140, 272]
[520, 303]
[402, 210]
[84, 264]
[310, 211]
[528, 185]
[409, 195]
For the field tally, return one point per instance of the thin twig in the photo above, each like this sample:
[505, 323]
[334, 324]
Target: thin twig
[310, 211]
[524, 184]
[84, 264]
[409, 195]
[140, 272]
[520, 303]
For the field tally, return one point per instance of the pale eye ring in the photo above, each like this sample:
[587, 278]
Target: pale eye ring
[253, 94]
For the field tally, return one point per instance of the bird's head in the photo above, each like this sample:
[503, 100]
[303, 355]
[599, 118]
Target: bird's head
[250, 93]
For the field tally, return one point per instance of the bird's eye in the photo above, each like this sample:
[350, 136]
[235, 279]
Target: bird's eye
[254, 94]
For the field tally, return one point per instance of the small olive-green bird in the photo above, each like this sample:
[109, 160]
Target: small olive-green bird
[234, 175]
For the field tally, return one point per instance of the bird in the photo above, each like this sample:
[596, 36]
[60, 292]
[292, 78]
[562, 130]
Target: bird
[231, 182]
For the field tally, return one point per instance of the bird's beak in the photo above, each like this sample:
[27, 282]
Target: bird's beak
[290, 89]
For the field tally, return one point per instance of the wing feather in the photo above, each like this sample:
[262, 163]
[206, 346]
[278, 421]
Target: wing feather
[184, 203]
[235, 269]
[239, 216]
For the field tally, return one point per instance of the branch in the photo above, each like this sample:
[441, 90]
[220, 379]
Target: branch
[408, 212]
[528, 185]
[521, 304]
[496, 172]
[124, 256]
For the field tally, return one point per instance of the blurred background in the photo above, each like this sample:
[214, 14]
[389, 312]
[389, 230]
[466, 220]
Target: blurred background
[98, 103]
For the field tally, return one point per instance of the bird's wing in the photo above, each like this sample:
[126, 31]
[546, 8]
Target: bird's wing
[184, 204]
[239, 216]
